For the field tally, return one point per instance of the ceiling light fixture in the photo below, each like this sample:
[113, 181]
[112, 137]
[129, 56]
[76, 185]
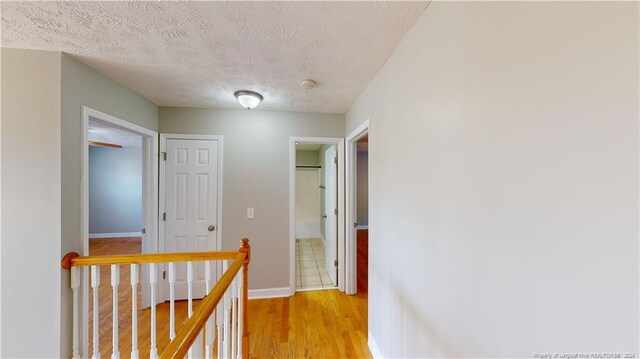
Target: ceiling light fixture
[248, 99]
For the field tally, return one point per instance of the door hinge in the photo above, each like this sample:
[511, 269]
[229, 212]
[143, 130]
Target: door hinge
[164, 274]
[335, 160]
[144, 230]
[164, 216]
[355, 224]
[335, 263]
[164, 156]
[335, 211]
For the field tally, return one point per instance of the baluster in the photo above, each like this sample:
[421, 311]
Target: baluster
[190, 299]
[115, 281]
[153, 353]
[134, 311]
[190, 288]
[75, 285]
[219, 341]
[227, 319]
[95, 283]
[234, 317]
[172, 300]
[239, 333]
[209, 329]
[219, 327]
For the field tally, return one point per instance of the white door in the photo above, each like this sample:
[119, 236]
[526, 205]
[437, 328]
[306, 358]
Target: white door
[191, 191]
[330, 207]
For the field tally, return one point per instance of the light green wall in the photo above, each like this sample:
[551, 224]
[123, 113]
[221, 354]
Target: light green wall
[307, 158]
[83, 86]
[256, 174]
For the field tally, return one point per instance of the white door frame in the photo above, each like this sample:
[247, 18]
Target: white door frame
[163, 296]
[351, 204]
[149, 195]
[339, 142]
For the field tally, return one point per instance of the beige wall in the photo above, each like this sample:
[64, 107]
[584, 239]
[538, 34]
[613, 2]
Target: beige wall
[256, 174]
[83, 86]
[31, 180]
[504, 179]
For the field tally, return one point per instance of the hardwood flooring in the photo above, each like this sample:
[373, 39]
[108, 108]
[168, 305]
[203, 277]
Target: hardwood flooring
[313, 324]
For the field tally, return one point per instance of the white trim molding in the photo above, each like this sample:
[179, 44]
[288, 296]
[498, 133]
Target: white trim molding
[339, 142]
[115, 235]
[351, 216]
[373, 347]
[269, 293]
[149, 196]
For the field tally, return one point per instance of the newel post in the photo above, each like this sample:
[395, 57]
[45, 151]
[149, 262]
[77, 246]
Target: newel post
[245, 248]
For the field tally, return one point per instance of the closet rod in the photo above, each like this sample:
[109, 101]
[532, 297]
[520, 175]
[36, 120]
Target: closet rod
[308, 166]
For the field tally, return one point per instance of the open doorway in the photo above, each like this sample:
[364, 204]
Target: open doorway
[357, 211]
[119, 205]
[317, 240]
[115, 190]
[315, 226]
[362, 214]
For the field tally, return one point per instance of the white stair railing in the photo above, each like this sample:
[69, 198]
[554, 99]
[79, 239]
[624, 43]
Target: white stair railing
[216, 329]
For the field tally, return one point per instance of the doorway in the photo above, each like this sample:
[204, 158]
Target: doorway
[316, 232]
[119, 185]
[357, 211]
[115, 190]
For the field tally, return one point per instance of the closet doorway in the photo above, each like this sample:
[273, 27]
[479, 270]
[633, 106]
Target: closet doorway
[317, 243]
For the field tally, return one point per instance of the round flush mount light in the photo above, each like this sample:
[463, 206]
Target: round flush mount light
[248, 99]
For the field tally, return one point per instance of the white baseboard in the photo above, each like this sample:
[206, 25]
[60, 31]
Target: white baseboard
[115, 235]
[269, 293]
[362, 226]
[373, 347]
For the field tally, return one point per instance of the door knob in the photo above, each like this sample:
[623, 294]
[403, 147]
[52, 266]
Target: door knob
[211, 228]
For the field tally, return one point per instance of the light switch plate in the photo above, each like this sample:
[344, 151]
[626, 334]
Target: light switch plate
[250, 213]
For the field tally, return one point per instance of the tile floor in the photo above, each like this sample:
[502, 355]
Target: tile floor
[310, 266]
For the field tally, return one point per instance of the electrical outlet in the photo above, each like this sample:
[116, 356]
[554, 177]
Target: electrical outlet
[250, 213]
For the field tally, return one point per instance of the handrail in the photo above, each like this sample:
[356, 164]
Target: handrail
[188, 333]
[73, 259]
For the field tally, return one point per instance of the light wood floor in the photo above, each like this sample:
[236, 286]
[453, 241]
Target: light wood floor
[315, 324]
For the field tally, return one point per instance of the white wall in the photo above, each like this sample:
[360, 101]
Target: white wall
[256, 174]
[31, 204]
[308, 203]
[504, 179]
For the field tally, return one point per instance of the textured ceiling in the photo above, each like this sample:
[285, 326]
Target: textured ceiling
[196, 54]
[104, 133]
